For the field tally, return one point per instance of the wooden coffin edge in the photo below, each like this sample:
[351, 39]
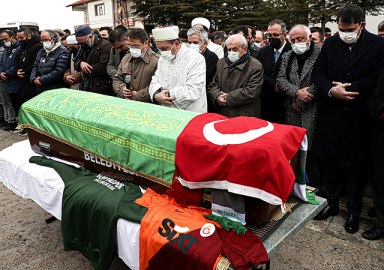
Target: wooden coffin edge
[157, 180]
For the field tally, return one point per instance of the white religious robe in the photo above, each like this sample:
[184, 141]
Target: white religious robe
[184, 77]
[217, 49]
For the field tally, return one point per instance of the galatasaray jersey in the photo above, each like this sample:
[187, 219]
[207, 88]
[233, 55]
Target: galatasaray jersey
[174, 237]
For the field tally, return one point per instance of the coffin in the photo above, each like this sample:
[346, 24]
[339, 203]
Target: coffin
[129, 140]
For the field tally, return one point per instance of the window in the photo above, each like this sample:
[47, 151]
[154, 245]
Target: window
[99, 10]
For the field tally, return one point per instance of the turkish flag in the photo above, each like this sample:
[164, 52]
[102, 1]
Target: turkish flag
[244, 155]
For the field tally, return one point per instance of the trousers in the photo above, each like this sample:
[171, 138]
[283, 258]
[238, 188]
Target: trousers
[9, 113]
[353, 177]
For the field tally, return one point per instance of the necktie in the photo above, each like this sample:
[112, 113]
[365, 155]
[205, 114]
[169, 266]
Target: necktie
[276, 55]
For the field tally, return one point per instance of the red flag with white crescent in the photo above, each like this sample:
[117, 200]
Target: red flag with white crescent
[244, 155]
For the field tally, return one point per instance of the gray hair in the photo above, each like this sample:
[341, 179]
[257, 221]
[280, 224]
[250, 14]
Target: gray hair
[381, 26]
[306, 28]
[281, 23]
[52, 34]
[239, 37]
[198, 31]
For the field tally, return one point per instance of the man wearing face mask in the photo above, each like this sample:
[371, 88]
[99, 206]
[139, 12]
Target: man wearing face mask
[92, 59]
[270, 56]
[346, 73]
[7, 62]
[236, 87]
[30, 46]
[140, 65]
[50, 64]
[301, 104]
[247, 33]
[198, 40]
[204, 24]
[179, 81]
[72, 77]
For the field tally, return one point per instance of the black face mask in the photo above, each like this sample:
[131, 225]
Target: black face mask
[73, 51]
[85, 47]
[275, 43]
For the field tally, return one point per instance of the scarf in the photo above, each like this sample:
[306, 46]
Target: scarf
[57, 45]
[242, 60]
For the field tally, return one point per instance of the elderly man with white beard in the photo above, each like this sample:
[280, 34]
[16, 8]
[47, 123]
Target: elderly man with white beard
[179, 81]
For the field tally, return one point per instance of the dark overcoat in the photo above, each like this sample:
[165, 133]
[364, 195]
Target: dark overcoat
[99, 80]
[344, 127]
[272, 102]
[376, 108]
[243, 85]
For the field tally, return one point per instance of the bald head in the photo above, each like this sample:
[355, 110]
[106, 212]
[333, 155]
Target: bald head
[299, 33]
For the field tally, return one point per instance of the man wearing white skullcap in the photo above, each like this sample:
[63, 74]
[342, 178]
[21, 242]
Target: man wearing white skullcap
[72, 77]
[206, 25]
[179, 81]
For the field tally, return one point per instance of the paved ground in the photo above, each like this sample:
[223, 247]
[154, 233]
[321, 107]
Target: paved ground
[27, 242]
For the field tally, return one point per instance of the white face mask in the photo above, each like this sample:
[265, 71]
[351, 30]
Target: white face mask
[167, 55]
[8, 44]
[195, 47]
[47, 45]
[233, 56]
[258, 44]
[136, 53]
[349, 37]
[300, 48]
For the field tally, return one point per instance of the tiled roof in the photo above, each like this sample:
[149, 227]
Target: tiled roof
[80, 2]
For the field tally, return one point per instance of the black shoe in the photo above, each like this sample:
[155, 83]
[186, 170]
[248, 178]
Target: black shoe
[15, 130]
[23, 132]
[373, 233]
[326, 213]
[10, 126]
[3, 123]
[372, 212]
[352, 224]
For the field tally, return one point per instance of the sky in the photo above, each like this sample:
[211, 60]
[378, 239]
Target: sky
[49, 14]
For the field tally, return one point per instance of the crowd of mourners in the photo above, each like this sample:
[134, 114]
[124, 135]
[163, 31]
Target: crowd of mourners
[333, 87]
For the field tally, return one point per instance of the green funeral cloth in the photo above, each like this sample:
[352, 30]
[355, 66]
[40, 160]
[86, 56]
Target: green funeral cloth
[228, 224]
[137, 136]
[91, 206]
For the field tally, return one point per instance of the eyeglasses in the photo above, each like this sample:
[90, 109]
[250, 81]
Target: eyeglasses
[274, 35]
[135, 46]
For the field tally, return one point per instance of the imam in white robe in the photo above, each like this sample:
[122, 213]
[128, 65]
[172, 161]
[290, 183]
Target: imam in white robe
[184, 77]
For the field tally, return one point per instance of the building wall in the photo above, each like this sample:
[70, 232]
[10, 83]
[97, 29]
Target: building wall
[102, 20]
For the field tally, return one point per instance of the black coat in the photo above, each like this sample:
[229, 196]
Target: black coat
[211, 60]
[25, 60]
[51, 68]
[99, 80]
[272, 103]
[344, 127]
[376, 108]
[254, 51]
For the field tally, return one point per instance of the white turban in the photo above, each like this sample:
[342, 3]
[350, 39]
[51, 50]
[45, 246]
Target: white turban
[166, 33]
[202, 21]
[71, 40]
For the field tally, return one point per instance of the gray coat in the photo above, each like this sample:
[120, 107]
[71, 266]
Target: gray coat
[243, 85]
[114, 62]
[308, 115]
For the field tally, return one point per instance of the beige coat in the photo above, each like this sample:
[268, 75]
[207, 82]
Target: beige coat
[141, 71]
[242, 84]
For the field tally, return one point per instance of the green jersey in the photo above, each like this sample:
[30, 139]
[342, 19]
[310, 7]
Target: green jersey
[92, 204]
